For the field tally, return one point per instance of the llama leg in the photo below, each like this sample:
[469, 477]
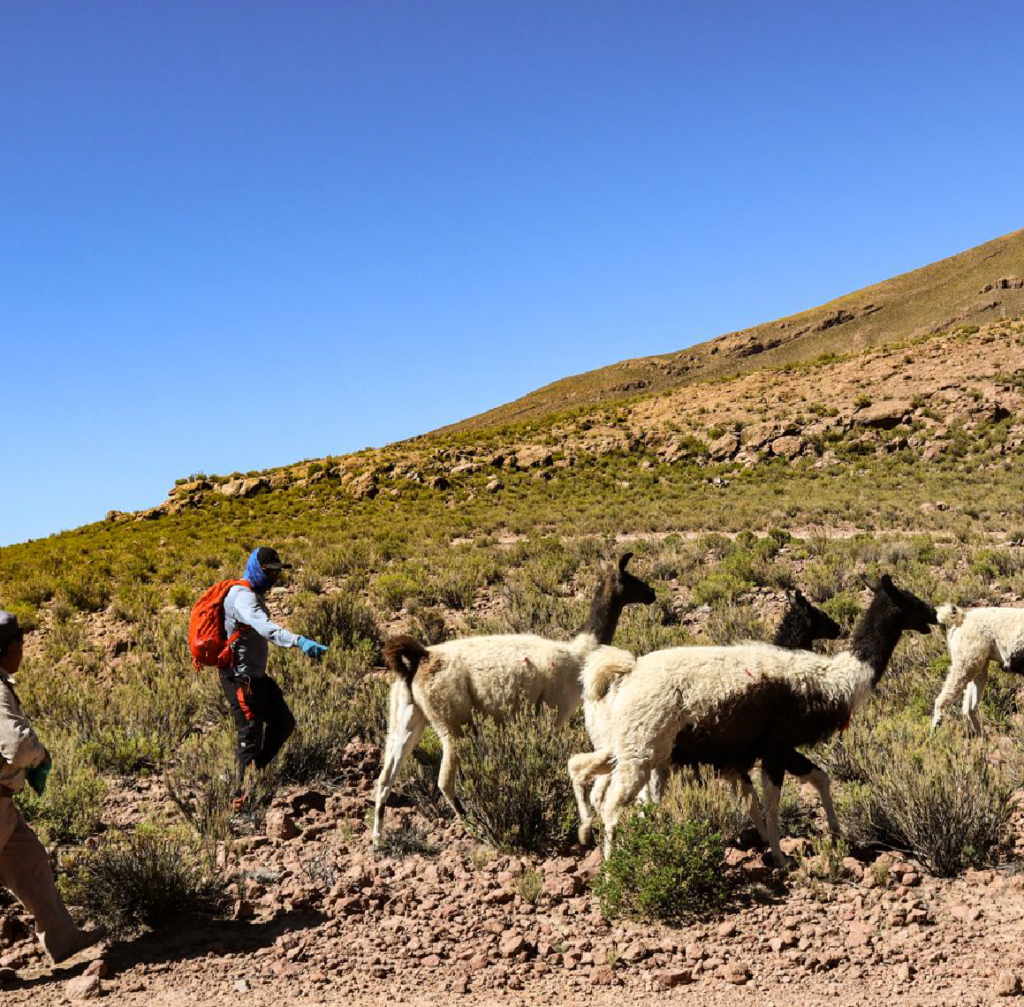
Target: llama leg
[446, 777]
[744, 785]
[583, 768]
[627, 780]
[655, 785]
[772, 775]
[799, 765]
[406, 723]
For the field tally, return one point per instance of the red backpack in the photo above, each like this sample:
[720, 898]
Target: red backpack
[206, 637]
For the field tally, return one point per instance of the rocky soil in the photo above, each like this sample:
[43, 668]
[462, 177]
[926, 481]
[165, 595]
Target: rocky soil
[317, 918]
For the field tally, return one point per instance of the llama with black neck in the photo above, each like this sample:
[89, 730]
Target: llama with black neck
[449, 684]
[801, 625]
[747, 703]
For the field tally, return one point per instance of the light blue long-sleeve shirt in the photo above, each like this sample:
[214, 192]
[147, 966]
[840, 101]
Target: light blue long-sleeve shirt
[246, 610]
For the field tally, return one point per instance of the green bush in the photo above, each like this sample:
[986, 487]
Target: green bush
[393, 588]
[71, 809]
[144, 880]
[115, 750]
[333, 700]
[87, 591]
[340, 620]
[720, 586]
[662, 869]
[514, 783]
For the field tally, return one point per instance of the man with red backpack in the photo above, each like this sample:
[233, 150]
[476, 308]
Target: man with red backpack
[262, 718]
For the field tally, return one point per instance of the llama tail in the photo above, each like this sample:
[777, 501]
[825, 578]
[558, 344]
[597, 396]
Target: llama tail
[970, 700]
[602, 670]
[950, 616]
[402, 655]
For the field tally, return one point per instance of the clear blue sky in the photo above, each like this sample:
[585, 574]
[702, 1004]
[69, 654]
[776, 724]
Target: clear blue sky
[242, 233]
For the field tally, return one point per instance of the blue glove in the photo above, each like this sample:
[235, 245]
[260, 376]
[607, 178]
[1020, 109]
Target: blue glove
[311, 648]
[37, 775]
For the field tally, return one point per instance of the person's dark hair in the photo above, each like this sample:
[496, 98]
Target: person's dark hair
[10, 632]
[17, 637]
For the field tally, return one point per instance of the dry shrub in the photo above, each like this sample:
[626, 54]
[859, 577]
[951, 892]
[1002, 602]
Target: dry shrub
[145, 880]
[514, 780]
[939, 798]
[333, 701]
[202, 781]
[735, 624]
[418, 780]
[71, 808]
[708, 798]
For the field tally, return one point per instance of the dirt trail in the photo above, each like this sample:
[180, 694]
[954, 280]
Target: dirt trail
[320, 920]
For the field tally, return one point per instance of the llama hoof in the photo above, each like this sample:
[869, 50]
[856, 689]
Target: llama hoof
[585, 834]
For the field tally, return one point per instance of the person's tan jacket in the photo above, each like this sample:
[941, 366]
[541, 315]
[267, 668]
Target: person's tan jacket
[20, 749]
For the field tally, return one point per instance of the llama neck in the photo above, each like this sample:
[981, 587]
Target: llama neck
[876, 636]
[605, 610]
[793, 633]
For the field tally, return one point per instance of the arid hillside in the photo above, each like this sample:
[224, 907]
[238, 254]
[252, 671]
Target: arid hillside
[981, 285]
[899, 452]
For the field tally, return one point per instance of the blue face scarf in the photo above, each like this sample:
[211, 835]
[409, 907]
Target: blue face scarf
[254, 574]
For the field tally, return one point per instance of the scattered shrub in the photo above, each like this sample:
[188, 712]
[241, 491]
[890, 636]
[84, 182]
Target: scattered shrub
[340, 620]
[529, 884]
[940, 799]
[71, 809]
[708, 798]
[406, 839]
[145, 880]
[514, 783]
[734, 624]
[662, 868]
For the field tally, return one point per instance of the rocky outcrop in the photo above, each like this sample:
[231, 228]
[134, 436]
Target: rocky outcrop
[723, 448]
[534, 456]
[242, 488]
[883, 415]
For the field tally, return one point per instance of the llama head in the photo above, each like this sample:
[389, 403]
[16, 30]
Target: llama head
[904, 608]
[626, 588]
[807, 622]
[617, 589]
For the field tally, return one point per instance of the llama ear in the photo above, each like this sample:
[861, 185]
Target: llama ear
[626, 557]
[798, 595]
[886, 581]
[876, 586]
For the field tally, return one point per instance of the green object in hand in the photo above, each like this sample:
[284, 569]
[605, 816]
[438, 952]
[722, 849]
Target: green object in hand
[37, 776]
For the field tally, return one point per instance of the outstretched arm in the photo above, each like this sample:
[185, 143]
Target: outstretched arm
[247, 611]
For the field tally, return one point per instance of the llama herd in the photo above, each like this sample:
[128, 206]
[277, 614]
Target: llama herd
[724, 707]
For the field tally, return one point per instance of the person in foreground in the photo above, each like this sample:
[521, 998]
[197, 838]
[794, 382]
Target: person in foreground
[24, 865]
[262, 718]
